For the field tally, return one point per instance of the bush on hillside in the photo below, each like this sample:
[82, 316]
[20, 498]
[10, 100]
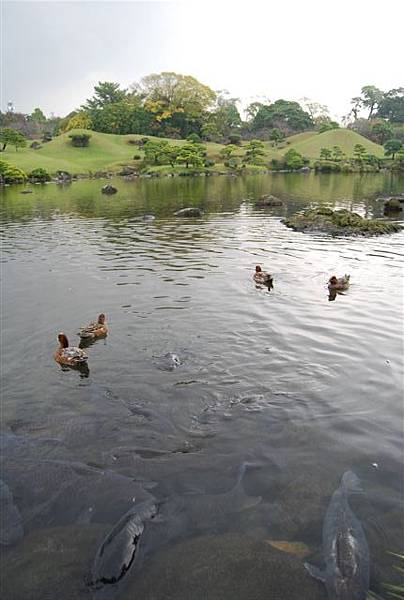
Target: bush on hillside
[11, 174]
[80, 140]
[235, 138]
[39, 175]
[327, 166]
[79, 121]
[194, 138]
[293, 159]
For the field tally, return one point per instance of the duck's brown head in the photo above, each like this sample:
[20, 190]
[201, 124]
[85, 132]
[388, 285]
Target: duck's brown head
[258, 269]
[63, 341]
[333, 279]
[101, 319]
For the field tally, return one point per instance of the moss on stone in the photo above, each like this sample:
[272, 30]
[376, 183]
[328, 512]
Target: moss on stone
[339, 222]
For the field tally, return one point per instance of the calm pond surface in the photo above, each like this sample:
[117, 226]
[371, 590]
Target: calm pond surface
[299, 387]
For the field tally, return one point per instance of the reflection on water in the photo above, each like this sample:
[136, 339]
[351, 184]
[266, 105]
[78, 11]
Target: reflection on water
[201, 372]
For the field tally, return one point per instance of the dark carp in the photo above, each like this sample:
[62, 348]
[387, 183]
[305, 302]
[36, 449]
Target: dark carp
[345, 549]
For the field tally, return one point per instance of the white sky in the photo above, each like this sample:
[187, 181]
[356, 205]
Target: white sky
[53, 53]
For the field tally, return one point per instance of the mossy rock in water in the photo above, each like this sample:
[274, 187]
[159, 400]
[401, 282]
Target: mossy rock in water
[226, 567]
[394, 205]
[51, 563]
[339, 222]
[268, 201]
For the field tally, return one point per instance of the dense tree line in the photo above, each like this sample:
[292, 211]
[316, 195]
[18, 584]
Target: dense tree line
[385, 114]
[178, 106]
[168, 105]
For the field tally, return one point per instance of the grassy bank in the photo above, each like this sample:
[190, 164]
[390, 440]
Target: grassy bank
[108, 152]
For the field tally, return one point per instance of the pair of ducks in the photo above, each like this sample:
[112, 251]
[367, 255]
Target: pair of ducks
[71, 356]
[335, 284]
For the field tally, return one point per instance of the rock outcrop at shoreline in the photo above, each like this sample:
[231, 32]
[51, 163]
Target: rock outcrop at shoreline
[339, 223]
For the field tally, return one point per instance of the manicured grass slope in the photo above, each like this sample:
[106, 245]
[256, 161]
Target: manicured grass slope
[344, 138]
[109, 151]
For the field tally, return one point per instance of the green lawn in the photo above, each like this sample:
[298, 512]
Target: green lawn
[344, 138]
[109, 152]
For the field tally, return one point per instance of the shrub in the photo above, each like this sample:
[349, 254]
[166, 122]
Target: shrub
[235, 138]
[194, 138]
[254, 152]
[47, 136]
[79, 121]
[373, 160]
[12, 137]
[293, 159]
[137, 157]
[232, 163]
[277, 164]
[327, 166]
[11, 174]
[328, 126]
[209, 162]
[39, 175]
[80, 140]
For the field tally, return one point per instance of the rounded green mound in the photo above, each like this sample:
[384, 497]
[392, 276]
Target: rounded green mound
[339, 222]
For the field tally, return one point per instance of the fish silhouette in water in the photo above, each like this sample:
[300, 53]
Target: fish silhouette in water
[345, 549]
[118, 550]
[168, 362]
[60, 492]
[11, 529]
[190, 514]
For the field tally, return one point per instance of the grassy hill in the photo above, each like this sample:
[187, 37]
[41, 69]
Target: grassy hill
[346, 139]
[109, 152]
[105, 152]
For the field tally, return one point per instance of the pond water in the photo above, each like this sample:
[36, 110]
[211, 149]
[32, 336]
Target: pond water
[300, 388]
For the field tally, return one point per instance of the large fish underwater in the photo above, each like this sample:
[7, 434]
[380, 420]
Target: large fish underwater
[345, 549]
[141, 531]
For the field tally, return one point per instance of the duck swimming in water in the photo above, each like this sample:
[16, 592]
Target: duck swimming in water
[262, 277]
[94, 330]
[338, 284]
[69, 355]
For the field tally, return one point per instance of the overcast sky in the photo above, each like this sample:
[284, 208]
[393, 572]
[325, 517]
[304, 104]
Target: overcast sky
[53, 53]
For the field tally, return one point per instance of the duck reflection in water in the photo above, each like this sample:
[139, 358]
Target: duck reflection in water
[83, 370]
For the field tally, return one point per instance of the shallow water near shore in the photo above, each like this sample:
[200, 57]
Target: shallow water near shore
[300, 388]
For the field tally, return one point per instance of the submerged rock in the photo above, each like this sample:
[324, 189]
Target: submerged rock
[338, 222]
[393, 205]
[26, 191]
[268, 200]
[109, 190]
[189, 212]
